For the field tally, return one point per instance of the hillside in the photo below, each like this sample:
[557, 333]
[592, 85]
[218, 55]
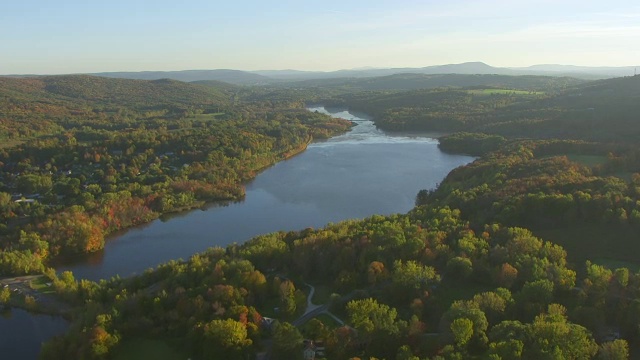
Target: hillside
[98, 89]
[604, 110]
[600, 110]
[237, 77]
[427, 81]
[84, 156]
[216, 84]
[39, 105]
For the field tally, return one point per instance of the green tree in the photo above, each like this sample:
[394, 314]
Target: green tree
[405, 353]
[470, 311]
[614, 350]
[622, 277]
[32, 183]
[287, 298]
[287, 341]
[410, 278]
[368, 316]
[596, 284]
[462, 330]
[553, 337]
[225, 339]
[459, 267]
[31, 241]
[507, 349]
[5, 295]
[534, 297]
[492, 304]
[377, 326]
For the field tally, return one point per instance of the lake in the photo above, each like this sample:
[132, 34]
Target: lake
[355, 175]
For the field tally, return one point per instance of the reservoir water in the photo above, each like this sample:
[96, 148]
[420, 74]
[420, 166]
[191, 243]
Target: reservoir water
[355, 175]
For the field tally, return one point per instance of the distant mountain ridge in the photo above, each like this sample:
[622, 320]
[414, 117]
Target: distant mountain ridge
[598, 71]
[464, 68]
[266, 77]
[480, 68]
[413, 81]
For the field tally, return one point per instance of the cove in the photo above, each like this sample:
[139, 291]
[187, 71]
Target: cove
[355, 175]
[23, 333]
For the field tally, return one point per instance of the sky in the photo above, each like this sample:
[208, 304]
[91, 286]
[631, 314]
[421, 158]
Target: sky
[80, 36]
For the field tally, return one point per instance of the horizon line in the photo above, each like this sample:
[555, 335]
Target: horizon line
[360, 68]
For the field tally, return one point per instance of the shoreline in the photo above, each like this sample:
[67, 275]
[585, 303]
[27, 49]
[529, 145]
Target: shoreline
[282, 156]
[40, 302]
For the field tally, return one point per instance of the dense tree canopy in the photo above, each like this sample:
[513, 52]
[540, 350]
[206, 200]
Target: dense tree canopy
[126, 151]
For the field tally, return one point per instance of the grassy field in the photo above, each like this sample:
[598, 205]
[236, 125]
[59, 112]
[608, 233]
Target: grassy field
[42, 285]
[8, 143]
[147, 349]
[207, 117]
[587, 160]
[503, 92]
[603, 243]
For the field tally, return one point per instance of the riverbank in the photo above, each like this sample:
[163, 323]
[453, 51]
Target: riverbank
[241, 193]
[41, 298]
[191, 195]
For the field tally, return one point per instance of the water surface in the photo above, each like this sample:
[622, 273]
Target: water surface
[22, 333]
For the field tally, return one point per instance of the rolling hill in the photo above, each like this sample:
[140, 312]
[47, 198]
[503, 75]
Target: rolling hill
[37, 106]
[604, 110]
[426, 81]
[237, 77]
[94, 89]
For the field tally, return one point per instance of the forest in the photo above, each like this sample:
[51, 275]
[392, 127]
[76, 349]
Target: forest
[526, 253]
[93, 156]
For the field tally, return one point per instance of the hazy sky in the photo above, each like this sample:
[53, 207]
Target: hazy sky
[71, 36]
